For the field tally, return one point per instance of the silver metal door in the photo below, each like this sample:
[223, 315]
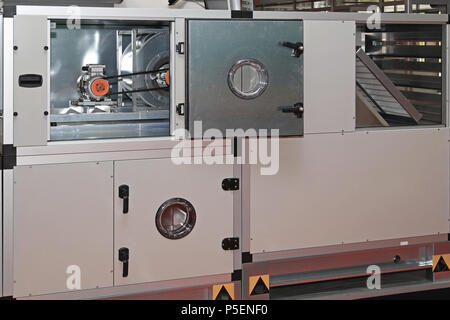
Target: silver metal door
[170, 221]
[239, 74]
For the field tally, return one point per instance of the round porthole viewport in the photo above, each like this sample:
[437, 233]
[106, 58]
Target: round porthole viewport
[175, 218]
[248, 78]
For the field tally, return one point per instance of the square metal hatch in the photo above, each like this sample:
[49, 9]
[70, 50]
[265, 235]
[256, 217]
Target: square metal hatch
[239, 75]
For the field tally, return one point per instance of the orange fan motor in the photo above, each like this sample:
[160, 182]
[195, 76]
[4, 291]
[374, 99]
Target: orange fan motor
[100, 87]
[167, 78]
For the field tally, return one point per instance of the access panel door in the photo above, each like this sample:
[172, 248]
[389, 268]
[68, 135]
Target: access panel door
[30, 86]
[245, 75]
[63, 228]
[170, 221]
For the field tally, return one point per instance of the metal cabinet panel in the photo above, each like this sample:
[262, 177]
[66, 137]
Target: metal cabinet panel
[333, 189]
[329, 76]
[152, 257]
[214, 47]
[63, 216]
[8, 232]
[31, 36]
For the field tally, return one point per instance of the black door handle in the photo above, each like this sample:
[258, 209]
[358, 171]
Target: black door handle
[297, 48]
[297, 109]
[124, 193]
[30, 80]
[124, 257]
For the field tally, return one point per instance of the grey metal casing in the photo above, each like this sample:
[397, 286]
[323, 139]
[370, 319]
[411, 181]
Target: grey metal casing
[329, 76]
[214, 46]
[338, 189]
[31, 37]
[133, 149]
[337, 185]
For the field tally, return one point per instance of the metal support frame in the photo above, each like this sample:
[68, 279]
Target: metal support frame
[321, 268]
[199, 288]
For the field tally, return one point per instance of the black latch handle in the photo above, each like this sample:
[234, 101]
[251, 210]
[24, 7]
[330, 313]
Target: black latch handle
[30, 80]
[124, 193]
[297, 48]
[230, 184]
[230, 244]
[124, 257]
[297, 109]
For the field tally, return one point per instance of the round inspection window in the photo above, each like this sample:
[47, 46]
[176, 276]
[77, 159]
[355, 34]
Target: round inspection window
[175, 218]
[248, 78]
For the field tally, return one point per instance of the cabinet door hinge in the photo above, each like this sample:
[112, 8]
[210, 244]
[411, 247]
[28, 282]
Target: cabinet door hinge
[180, 48]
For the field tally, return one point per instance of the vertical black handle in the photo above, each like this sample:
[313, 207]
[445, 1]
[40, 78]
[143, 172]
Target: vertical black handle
[124, 256]
[124, 193]
[125, 269]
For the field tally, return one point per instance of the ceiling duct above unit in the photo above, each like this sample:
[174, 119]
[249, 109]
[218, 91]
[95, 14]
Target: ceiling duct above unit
[223, 4]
